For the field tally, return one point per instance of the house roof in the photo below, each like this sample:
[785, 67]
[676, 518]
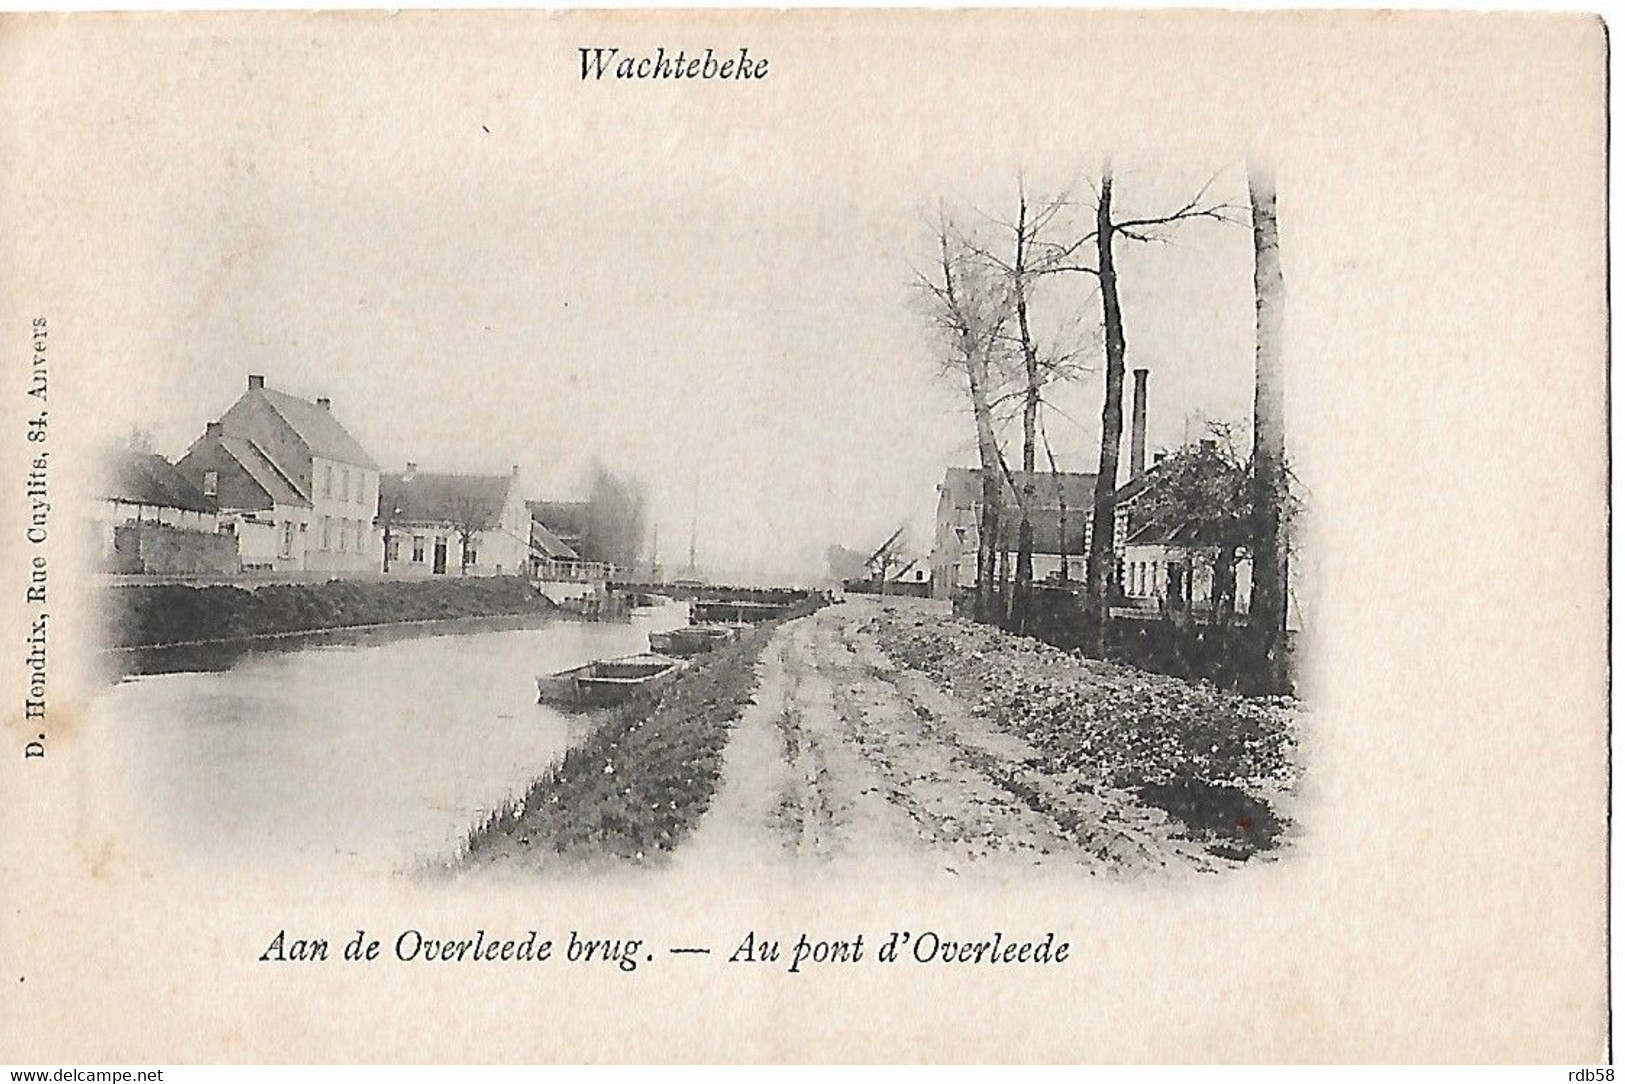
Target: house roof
[549, 544]
[443, 498]
[964, 487]
[1136, 486]
[266, 474]
[567, 519]
[1047, 531]
[145, 478]
[1158, 533]
[316, 426]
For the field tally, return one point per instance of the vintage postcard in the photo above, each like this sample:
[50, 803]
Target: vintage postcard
[953, 536]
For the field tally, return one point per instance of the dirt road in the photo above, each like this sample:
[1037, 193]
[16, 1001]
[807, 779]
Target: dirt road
[847, 759]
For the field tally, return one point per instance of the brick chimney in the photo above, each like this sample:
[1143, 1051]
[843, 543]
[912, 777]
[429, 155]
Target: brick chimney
[1136, 447]
[255, 381]
[325, 403]
[213, 430]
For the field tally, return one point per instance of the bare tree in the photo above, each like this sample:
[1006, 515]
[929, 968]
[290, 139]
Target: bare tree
[1267, 607]
[469, 516]
[1032, 256]
[1032, 251]
[617, 518]
[388, 510]
[1203, 498]
[1108, 227]
[971, 309]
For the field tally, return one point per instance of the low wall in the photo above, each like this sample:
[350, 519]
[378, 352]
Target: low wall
[156, 549]
[173, 613]
[895, 588]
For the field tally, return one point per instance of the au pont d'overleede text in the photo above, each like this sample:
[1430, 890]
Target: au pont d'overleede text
[795, 955]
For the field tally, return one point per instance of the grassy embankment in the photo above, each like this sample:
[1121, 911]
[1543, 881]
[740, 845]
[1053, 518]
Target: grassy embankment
[141, 616]
[638, 785]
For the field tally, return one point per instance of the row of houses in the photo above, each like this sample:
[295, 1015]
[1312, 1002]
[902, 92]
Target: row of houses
[1156, 566]
[278, 484]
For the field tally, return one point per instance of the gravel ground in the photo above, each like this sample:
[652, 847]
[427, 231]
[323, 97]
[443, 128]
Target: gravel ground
[887, 736]
[1216, 760]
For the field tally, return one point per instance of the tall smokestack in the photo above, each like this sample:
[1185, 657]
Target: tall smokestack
[1136, 447]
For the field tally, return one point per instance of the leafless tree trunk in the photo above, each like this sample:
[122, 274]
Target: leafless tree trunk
[1102, 540]
[973, 315]
[1022, 602]
[1060, 500]
[1111, 422]
[1267, 608]
[1224, 586]
[469, 516]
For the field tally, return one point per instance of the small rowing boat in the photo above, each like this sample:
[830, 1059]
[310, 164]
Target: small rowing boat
[690, 640]
[604, 682]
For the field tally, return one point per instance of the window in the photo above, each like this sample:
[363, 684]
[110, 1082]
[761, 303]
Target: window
[287, 538]
[211, 483]
[327, 481]
[346, 493]
[327, 532]
[471, 554]
[417, 548]
[393, 550]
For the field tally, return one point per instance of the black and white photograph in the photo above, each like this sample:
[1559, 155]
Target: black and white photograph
[875, 512]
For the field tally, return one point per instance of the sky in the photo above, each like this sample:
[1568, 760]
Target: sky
[492, 265]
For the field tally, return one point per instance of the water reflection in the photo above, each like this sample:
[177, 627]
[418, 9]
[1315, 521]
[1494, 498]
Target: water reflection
[224, 655]
[370, 750]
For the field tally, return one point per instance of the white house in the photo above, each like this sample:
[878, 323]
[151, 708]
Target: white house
[439, 524]
[331, 481]
[1069, 497]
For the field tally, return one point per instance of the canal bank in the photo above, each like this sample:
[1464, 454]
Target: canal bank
[635, 788]
[886, 737]
[172, 614]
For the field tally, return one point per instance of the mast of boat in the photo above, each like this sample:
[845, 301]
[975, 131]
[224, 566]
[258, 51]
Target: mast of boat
[693, 525]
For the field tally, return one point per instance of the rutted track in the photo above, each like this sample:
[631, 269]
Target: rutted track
[846, 759]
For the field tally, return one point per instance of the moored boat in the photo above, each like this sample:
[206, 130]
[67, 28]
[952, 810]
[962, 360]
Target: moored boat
[606, 681]
[690, 640]
[737, 613]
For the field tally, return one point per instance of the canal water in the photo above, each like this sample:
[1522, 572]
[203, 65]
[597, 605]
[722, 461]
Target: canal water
[367, 752]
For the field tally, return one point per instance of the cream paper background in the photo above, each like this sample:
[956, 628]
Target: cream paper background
[1442, 199]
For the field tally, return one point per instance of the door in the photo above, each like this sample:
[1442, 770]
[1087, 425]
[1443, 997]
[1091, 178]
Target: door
[440, 557]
